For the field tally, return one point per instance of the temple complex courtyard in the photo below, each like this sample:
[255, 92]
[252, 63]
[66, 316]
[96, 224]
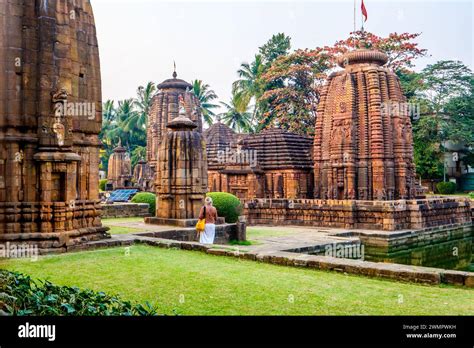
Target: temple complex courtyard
[192, 283]
[333, 178]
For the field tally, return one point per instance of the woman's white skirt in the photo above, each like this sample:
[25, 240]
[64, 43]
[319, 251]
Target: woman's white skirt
[207, 237]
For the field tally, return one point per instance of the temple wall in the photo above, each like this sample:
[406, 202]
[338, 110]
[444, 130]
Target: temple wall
[371, 215]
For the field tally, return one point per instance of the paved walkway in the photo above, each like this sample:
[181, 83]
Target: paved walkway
[263, 238]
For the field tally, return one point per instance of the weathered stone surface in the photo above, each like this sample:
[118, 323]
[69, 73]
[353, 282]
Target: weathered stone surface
[121, 210]
[119, 174]
[363, 150]
[274, 163]
[143, 176]
[181, 179]
[373, 215]
[50, 117]
[164, 108]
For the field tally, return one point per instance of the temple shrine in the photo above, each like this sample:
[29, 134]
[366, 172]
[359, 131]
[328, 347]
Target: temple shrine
[50, 118]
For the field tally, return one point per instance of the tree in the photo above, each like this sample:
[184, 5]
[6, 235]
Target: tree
[237, 116]
[400, 48]
[293, 103]
[249, 87]
[138, 154]
[446, 99]
[139, 118]
[205, 96]
[279, 45]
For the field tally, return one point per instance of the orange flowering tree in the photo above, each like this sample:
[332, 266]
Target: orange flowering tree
[299, 76]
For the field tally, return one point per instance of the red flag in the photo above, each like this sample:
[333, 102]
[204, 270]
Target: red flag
[364, 11]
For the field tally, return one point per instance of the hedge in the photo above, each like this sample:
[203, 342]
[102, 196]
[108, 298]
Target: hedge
[227, 206]
[102, 184]
[146, 197]
[446, 188]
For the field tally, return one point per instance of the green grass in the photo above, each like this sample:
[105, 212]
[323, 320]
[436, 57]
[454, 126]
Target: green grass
[195, 283]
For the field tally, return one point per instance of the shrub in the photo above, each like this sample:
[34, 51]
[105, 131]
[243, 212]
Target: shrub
[146, 197]
[21, 296]
[471, 195]
[227, 205]
[102, 184]
[446, 188]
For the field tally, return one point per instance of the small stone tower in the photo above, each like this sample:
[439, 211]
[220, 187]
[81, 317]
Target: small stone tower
[363, 148]
[181, 182]
[120, 168]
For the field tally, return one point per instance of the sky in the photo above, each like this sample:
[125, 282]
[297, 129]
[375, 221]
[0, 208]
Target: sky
[140, 39]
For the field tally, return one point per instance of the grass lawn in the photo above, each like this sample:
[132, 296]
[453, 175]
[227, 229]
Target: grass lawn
[195, 283]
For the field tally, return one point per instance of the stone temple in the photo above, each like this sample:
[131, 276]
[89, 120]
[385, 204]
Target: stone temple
[362, 150]
[119, 172]
[181, 178]
[50, 118]
[164, 108]
[271, 164]
[364, 175]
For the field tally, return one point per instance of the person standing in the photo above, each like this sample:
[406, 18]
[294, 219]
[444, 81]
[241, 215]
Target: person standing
[209, 213]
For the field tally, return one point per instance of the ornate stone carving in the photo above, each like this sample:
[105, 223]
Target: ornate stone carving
[50, 196]
[361, 149]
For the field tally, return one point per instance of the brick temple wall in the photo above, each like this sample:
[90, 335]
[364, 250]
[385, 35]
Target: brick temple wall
[372, 215]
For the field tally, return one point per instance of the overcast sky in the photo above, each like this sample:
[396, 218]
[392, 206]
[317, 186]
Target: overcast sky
[139, 39]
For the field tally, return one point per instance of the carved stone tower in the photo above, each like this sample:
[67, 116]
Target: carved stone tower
[363, 148]
[120, 168]
[50, 118]
[181, 182]
[164, 109]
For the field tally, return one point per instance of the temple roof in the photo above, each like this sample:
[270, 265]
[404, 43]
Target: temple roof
[279, 149]
[219, 134]
[175, 83]
[363, 56]
[181, 122]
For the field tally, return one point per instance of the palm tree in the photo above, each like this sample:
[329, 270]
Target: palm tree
[205, 96]
[238, 117]
[119, 128]
[249, 87]
[139, 119]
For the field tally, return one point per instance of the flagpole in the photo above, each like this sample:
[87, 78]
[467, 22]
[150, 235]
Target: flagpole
[355, 20]
[355, 5]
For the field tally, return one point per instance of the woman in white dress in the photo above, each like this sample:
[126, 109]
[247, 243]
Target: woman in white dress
[209, 213]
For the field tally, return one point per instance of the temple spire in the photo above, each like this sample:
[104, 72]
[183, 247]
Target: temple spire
[175, 74]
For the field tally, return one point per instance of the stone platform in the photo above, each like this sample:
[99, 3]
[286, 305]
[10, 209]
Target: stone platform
[355, 214]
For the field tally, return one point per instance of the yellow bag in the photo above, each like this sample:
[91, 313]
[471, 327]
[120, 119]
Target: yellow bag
[201, 225]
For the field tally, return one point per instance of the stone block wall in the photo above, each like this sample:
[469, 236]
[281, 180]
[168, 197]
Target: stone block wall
[372, 215]
[122, 210]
